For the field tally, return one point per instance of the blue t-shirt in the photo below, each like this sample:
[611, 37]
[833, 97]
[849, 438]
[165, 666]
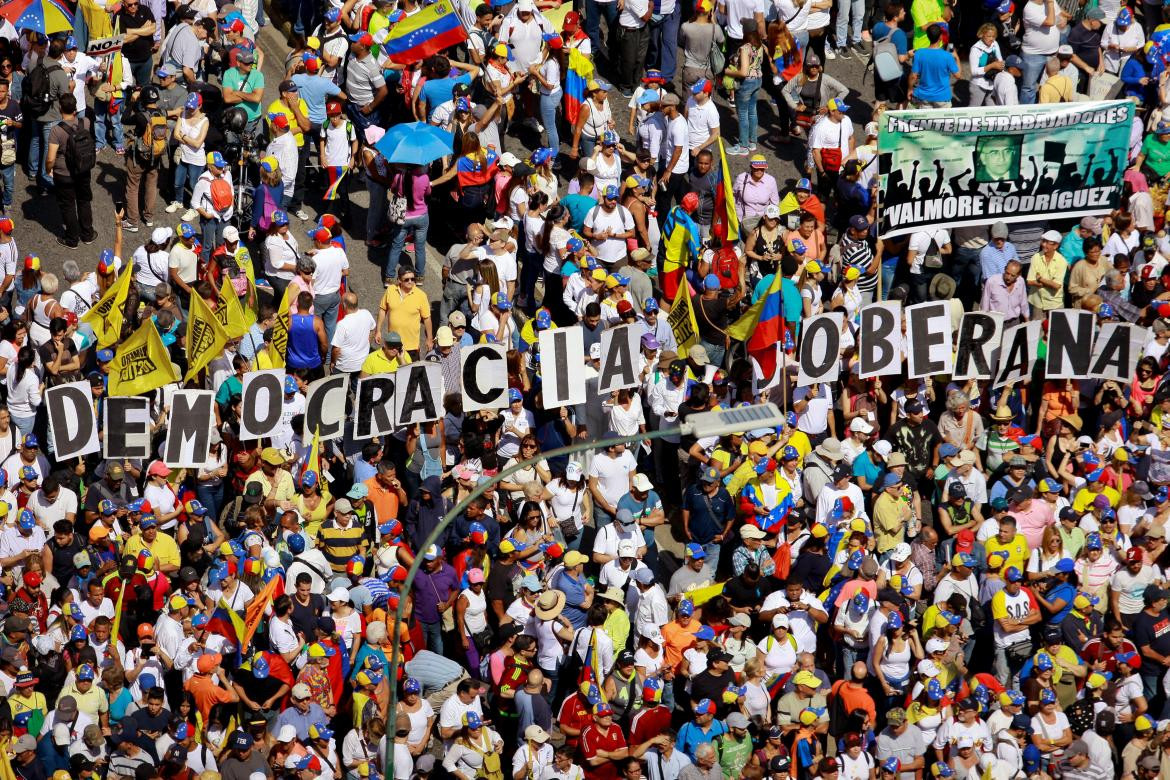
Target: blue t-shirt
[863, 466]
[578, 206]
[1063, 592]
[438, 91]
[315, 90]
[881, 30]
[934, 68]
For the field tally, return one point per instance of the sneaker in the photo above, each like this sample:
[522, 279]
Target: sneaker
[173, 207]
[842, 53]
[189, 215]
[65, 243]
[92, 239]
[859, 49]
[302, 215]
[737, 151]
[751, 147]
[148, 222]
[119, 151]
[129, 226]
[830, 54]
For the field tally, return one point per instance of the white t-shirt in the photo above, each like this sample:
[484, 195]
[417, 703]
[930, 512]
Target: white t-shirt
[631, 15]
[701, 121]
[352, 339]
[920, 242]
[620, 220]
[1038, 38]
[505, 264]
[677, 133]
[737, 11]
[331, 261]
[337, 143]
[827, 134]
[613, 475]
[48, 513]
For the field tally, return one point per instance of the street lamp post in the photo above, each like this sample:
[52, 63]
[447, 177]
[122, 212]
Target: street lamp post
[704, 424]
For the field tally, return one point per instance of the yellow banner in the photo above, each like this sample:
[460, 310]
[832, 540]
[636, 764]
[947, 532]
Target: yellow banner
[106, 316]
[732, 218]
[280, 327]
[682, 319]
[141, 364]
[233, 319]
[206, 337]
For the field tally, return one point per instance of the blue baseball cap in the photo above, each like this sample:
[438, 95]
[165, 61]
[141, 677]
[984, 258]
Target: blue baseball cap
[705, 633]
[186, 231]
[216, 159]
[290, 384]
[611, 192]
[543, 319]
[711, 282]
[279, 217]
[804, 184]
[411, 686]
[686, 608]
[333, 14]
[650, 304]
[26, 520]
[514, 395]
[105, 355]
[70, 43]
[30, 442]
[695, 551]
[1013, 574]
[575, 244]
[78, 634]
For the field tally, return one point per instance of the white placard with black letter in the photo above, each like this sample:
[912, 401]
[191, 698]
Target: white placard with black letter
[880, 339]
[484, 370]
[262, 403]
[126, 427]
[375, 407]
[1070, 343]
[928, 339]
[419, 394]
[72, 420]
[189, 429]
[1017, 353]
[325, 407]
[1116, 351]
[562, 367]
[619, 358]
[820, 349]
[978, 348]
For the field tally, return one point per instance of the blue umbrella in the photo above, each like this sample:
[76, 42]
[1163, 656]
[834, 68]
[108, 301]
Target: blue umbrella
[415, 143]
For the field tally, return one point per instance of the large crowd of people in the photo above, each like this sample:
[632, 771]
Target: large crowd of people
[906, 579]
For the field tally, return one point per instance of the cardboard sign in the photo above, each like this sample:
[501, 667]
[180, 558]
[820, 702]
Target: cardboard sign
[562, 367]
[928, 339]
[375, 406]
[484, 370]
[880, 339]
[619, 350]
[100, 47]
[1017, 353]
[1116, 351]
[262, 402]
[126, 428]
[72, 420]
[189, 429]
[1070, 343]
[325, 407]
[820, 349]
[419, 394]
[979, 336]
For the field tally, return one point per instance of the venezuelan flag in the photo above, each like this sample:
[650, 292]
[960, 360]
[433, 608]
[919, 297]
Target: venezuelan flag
[336, 175]
[725, 221]
[425, 33]
[226, 623]
[762, 327]
[580, 70]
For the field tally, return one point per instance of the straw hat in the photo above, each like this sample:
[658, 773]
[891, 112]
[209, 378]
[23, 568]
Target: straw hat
[550, 604]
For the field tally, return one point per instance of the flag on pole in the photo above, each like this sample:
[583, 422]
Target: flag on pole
[231, 314]
[141, 363]
[434, 28]
[579, 72]
[336, 175]
[725, 221]
[681, 319]
[280, 327]
[762, 326]
[106, 316]
[256, 608]
[117, 616]
[206, 338]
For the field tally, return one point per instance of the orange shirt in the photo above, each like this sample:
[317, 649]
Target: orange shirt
[678, 639]
[207, 694]
[385, 500]
[854, 698]
[1059, 399]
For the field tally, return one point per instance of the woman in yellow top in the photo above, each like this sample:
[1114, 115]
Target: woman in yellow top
[311, 504]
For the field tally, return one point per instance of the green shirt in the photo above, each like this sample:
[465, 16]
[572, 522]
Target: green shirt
[1157, 154]
[233, 79]
[733, 754]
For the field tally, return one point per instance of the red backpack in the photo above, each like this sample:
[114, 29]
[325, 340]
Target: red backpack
[220, 194]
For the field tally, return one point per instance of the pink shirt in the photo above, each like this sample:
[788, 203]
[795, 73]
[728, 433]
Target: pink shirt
[1031, 523]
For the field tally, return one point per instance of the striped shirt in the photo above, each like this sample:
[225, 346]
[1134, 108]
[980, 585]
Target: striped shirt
[340, 544]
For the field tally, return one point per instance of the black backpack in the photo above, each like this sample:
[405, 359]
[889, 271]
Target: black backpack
[80, 149]
[36, 94]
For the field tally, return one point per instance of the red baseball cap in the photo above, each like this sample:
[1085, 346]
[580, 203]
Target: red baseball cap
[964, 541]
[1131, 555]
[32, 579]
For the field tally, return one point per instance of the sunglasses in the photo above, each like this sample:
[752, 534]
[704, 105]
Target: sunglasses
[406, 279]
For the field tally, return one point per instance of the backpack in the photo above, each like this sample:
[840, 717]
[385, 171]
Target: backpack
[36, 94]
[884, 58]
[152, 144]
[80, 149]
[220, 194]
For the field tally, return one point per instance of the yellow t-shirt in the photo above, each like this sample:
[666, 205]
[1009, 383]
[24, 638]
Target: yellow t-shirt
[378, 363]
[1084, 498]
[164, 548]
[1016, 550]
[405, 313]
[286, 489]
[278, 107]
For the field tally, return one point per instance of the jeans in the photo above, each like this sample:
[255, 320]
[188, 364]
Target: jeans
[889, 271]
[8, 173]
[966, 271]
[713, 549]
[920, 285]
[747, 110]
[75, 204]
[664, 43]
[593, 13]
[211, 496]
[24, 424]
[212, 230]
[106, 125]
[416, 227]
[144, 71]
[376, 216]
[548, 118]
[1033, 67]
[37, 152]
[325, 306]
[186, 173]
[715, 352]
[433, 636]
[843, 22]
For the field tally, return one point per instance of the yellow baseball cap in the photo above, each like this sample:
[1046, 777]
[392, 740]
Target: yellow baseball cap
[813, 267]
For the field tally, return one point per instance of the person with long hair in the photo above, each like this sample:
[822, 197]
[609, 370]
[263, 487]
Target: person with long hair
[266, 198]
[594, 118]
[377, 175]
[785, 60]
[547, 71]
[473, 171]
[553, 246]
[698, 37]
[480, 296]
[748, 70]
[24, 390]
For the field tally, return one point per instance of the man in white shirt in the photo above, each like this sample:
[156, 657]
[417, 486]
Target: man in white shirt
[332, 266]
[608, 225]
[1042, 30]
[211, 219]
[611, 476]
[652, 612]
[350, 345]
[702, 118]
[673, 160]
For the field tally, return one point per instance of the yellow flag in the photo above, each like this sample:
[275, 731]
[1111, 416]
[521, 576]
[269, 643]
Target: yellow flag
[232, 318]
[6, 771]
[682, 319]
[206, 338]
[729, 218]
[280, 327]
[117, 616]
[141, 363]
[789, 204]
[106, 316]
